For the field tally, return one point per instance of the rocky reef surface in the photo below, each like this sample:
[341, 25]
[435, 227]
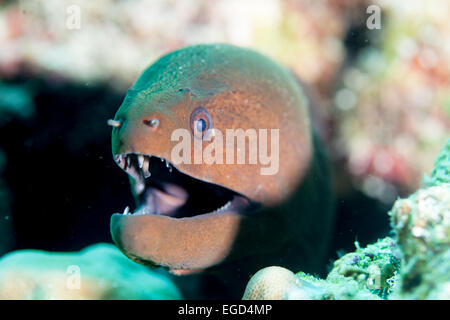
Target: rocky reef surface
[412, 264]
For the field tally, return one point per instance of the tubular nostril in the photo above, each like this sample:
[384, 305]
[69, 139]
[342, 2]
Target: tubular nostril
[154, 123]
[114, 123]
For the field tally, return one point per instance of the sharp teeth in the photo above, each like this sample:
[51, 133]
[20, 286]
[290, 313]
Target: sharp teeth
[126, 211]
[125, 161]
[141, 160]
[145, 166]
[120, 160]
[128, 162]
[224, 207]
[168, 166]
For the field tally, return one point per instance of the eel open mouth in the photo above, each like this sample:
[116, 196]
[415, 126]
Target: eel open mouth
[162, 189]
[181, 223]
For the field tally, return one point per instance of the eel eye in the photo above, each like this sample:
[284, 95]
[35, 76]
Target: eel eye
[200, 122]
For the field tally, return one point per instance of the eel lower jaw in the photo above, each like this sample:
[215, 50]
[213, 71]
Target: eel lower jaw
[181, 223]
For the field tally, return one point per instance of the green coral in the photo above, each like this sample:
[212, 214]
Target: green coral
[415, 264]
[374, 268]
[422, 227]
[365, 274]
[101, 271]
[441, 173]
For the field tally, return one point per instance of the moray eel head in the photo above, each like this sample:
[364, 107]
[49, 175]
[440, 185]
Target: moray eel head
[189, 212]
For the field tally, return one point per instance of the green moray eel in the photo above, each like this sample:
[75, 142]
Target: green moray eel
[234, 215]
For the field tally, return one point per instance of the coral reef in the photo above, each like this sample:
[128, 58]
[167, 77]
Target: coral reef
[96, 272]
[415, 264]
[422, 226]
[366, 274]
[33, 35]
[373, 268]
[390, 125]
[272, 283]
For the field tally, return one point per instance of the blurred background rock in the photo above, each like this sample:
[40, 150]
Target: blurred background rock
[381, 97]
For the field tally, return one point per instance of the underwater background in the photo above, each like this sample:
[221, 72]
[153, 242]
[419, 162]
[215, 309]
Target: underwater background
[381, 106]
